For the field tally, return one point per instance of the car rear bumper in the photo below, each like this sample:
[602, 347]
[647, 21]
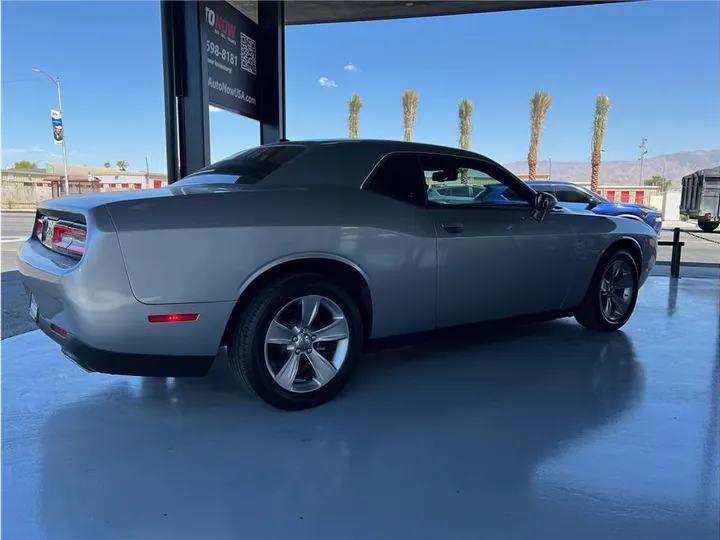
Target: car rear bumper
[95, 360]
[88, 308]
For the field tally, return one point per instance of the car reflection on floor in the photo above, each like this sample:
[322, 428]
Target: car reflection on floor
[479, 427]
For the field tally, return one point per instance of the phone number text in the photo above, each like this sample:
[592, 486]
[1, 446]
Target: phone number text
[219, 52]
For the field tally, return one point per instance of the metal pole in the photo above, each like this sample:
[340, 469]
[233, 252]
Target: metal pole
[64, 150]
[675, 256]
[643, 151]
[550, 171]
[56, 82]
[147, 173]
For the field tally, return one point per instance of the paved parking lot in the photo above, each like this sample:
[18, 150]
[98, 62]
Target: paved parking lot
[700, 247]
[537, 432]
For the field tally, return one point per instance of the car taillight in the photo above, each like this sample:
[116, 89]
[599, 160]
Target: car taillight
[39, 228]
[68, 239]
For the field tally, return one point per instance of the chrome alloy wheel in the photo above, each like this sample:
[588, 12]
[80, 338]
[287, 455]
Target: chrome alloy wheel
[616, 290]
[306, 343]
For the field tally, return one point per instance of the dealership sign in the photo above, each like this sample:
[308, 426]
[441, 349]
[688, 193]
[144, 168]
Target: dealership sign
[57, 126]
[229, 48]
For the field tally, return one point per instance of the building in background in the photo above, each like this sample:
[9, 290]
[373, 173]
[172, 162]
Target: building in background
[25, 188]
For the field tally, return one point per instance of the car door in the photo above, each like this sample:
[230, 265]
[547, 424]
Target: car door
[494, 259]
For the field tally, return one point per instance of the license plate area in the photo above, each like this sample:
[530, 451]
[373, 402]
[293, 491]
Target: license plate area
[33, 309]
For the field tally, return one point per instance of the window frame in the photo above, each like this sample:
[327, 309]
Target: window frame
[495, 171]
[566, 188]
[479, 163]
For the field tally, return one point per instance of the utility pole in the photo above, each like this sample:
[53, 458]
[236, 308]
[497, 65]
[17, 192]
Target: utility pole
[147, 173]
[641, 159]
[550, 169]
[56, 81]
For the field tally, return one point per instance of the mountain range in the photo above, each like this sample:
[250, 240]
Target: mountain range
[627, 173]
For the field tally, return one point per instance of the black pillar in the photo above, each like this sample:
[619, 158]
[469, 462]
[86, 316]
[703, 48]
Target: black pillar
[168, 53]
[271, 56]
[187, 121]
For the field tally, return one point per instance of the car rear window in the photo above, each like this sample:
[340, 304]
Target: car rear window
[248, 167]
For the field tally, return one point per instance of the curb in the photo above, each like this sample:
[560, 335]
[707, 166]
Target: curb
[18, 210]
[690, 265]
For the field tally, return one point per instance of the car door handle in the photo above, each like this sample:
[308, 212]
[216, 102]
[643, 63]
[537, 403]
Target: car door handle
[453, 227]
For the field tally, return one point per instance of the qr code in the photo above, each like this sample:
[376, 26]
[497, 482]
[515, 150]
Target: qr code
[248, 54]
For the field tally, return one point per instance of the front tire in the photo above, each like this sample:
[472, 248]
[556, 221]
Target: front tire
[708, 226]
[612, 294]
[297, 342]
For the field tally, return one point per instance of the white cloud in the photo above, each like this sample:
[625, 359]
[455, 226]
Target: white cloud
[213, 108]
[351, 67]
[328, 83]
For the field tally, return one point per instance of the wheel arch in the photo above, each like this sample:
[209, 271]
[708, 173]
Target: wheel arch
[341, 271]
[629, 244]
[631, 216]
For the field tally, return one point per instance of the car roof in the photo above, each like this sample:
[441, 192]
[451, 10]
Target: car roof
[356, 158]
[387, 145]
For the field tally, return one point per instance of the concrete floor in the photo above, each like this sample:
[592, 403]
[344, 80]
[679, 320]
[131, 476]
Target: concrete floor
[543, 432]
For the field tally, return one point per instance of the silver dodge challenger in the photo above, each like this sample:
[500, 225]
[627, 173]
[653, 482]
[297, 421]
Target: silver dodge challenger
[297, 256]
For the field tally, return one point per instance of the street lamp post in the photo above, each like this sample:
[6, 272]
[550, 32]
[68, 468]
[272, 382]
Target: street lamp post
[56, 82]
[550, 169]
[641, 159]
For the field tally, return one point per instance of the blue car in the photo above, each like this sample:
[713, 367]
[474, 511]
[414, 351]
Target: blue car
[577, 197]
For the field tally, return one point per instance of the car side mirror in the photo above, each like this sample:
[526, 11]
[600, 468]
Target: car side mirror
[592, 204]
[544, 203]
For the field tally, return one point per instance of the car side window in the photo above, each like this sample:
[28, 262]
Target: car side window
[399, 177]
[510, 195]
[458, 181]
[571, 195]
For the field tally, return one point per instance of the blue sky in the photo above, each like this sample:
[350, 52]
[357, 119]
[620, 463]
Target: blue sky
[658, 61]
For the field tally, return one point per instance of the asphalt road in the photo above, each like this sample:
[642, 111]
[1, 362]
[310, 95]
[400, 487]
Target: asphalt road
[702, 248]
[16, 225]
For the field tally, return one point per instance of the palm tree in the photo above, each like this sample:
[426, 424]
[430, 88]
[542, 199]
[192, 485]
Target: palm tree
[122, 164]
[465, 115]
[106, 164]
[410, 107]
[539, 105]
[354, 106]
[602, 107]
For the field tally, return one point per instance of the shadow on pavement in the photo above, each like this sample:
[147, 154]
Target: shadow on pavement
[15, 317]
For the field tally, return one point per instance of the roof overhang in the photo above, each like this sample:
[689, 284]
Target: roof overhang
[334, 11]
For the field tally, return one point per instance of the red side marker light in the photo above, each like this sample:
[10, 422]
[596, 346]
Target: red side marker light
[58, 330]
[174, 317]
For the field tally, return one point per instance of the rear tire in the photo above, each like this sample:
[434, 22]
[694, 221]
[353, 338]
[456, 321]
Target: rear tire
[609, 292]
[281, 369]
[708, 226]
